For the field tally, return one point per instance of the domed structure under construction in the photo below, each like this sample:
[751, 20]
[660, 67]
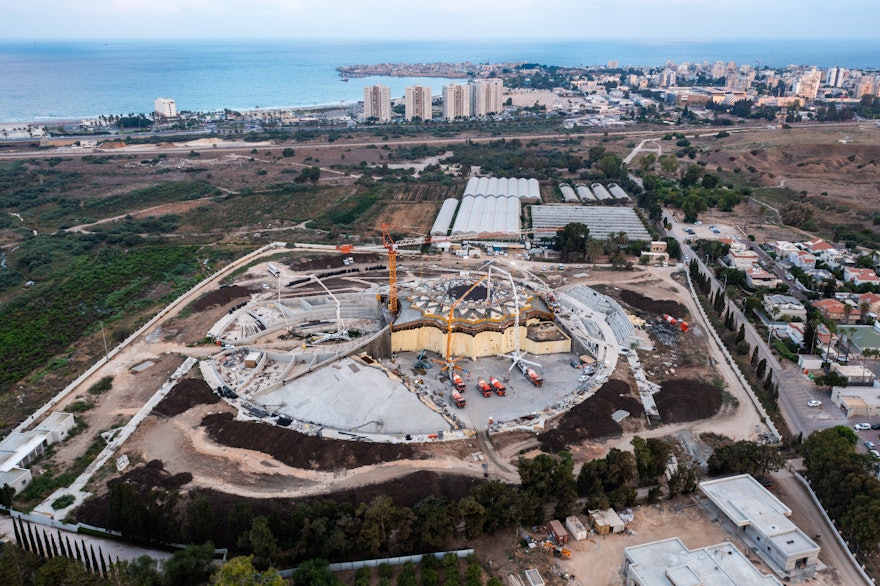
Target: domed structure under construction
[475, 316]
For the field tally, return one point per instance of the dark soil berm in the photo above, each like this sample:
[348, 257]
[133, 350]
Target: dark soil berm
[185, 395]
[656, 306]
[592, 418]
[300, 450]
[687, 399]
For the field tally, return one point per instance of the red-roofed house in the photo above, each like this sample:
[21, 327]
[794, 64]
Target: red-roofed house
[860, 276]
[836, 311]
[796, 330]
[802, 259]
[818, 245]
[873, 301]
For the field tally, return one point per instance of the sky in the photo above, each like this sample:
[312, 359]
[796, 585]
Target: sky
[698, 20]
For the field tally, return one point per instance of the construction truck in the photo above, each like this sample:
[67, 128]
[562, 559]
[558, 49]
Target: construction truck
[484, 388]
[459, 401]
[497, 386]
[530, 374]
[456, 381]
[556, 550]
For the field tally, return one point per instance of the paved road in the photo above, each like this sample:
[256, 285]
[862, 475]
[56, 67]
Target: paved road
[811, 521]
[795, 390]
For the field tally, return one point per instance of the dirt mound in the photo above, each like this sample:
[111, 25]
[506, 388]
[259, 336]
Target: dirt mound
[185, 395]
[153, 475]
[299, 450]
[592, 418]
[334, 261]
[687, 400]
[220, 296]
[658, 306]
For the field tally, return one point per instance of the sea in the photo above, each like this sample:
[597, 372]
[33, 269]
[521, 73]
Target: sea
[44, 81]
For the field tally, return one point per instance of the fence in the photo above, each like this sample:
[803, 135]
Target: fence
[730, 361]
[396, 561]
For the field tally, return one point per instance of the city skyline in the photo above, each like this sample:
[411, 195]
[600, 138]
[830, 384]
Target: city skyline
[662, 20]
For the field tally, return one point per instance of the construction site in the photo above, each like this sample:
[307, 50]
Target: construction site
[441, 356]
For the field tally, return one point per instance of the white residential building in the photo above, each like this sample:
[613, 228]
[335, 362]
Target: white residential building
[165, 107]
[377, 103]
[486, 96]
[668, 562]
[781, 306]
[456, 101]
[762, 520]
[417, 103]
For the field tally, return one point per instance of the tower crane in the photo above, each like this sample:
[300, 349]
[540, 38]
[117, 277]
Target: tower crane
[392, 247]
[449, 363]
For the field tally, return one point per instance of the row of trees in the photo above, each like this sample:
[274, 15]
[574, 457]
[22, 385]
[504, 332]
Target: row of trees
[846, 483]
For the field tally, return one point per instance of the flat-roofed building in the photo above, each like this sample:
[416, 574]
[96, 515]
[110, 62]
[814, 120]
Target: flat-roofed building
[377, 103]
[781, 306]
[417, 103]
[486, 96]
[862, 402]
[669, 563]
[165, 107]
[762, 520]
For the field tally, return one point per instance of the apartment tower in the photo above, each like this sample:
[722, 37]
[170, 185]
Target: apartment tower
[486, 96]
[377, 103]
[456, 101]
[417, 103]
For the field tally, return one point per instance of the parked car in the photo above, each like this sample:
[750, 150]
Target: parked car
[870, 445]
[814, 403]
[875, 426]
[583, 378]
[875, 453]
[862, 426]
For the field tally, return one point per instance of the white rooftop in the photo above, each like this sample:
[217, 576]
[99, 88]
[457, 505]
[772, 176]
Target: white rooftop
[669, 562]
[601, 220]
[745, 502]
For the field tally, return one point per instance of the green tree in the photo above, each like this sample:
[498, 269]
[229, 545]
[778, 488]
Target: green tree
[190, 566]
[240, 571]
[433, 521]
[200, 521]
[7, 493]
[611, 166]
[571, 242]
[669, 164]
[141, 571]
[692, 206]
[315, 572]
[287, 152]
[260, 541]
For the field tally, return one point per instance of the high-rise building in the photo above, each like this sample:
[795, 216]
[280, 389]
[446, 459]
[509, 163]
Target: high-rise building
[486, 96]
[417, 103]
[377, 103]
[835, 76]
[808, 85]
[456, 101]
[165, 107]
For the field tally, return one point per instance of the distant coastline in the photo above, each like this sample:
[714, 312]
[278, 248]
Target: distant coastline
[68, 80]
